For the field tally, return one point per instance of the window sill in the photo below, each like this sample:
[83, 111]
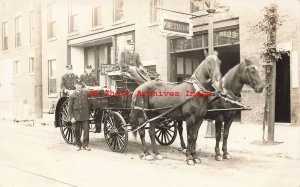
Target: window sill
[153, 24]
[73, 33]
[97, 28]
[118, 22]
[51, 39]
[54, 95]
[19, 47]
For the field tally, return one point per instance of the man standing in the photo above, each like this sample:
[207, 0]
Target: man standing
[130, 62]
[88, 78]
[67, 80]
[79, 112]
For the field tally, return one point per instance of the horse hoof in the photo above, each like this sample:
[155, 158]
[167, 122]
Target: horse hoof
[197, 160]
[182, 151]
[226, 156]
[190, 162]
[148, 157]
[159, 157]
[218, 158]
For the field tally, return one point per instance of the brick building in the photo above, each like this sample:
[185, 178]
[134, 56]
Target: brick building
[82, 32]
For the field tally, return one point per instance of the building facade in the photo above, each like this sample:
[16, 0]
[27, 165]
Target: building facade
[94, 32]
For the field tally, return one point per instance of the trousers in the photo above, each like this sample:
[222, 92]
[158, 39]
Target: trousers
[84, 125]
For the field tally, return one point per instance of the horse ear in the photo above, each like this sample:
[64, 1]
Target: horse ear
[247, 62]
[205, 53]
[216, 53]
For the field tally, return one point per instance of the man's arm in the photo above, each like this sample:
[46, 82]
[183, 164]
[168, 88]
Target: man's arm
[96, 81]
[70, 109]
[138, 60]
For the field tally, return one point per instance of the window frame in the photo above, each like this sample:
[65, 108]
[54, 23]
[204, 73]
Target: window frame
[99, 15]
[18, 33]
[52, 76]
[115, 12]
[16, 67]
[154, 12]
[31, 65]
[31, 27]
[51, 34]
[4, 26]
[73, 15]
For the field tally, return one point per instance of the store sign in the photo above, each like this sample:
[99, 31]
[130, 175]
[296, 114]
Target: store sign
[229, 34]
[105, 68]
[176, 27]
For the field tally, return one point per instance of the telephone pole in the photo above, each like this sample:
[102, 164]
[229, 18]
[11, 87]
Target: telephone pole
[38, 91]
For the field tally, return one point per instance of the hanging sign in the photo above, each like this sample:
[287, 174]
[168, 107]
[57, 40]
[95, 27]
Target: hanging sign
[177, 27]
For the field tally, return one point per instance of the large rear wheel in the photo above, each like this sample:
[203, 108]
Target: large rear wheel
[166, 131]
[115, 134]
[66, 127]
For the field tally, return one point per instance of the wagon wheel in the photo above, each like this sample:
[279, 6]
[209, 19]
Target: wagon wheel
[66, 127]
[115, 135]
[166, 131]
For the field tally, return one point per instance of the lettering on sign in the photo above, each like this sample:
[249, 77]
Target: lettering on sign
[229, 34]
[176, 26]
[105, 68]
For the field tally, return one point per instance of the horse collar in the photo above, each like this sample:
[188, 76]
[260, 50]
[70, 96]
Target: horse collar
[229, 93]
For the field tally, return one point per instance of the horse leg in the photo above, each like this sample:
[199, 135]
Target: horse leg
[227, 125]
[195, 137]
[180, 131]
[153, 142]
[218, 125]
[189, 130]
[147, 155]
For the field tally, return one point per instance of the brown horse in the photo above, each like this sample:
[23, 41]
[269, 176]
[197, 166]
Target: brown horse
[232, 82]
[188, 108]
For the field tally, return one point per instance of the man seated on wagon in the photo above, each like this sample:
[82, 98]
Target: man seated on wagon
[89, 79]
[131, 65]
[67, 80]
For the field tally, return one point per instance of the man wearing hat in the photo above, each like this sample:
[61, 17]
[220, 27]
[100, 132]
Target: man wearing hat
[130, 62]
[88, 78]
[67, 80]
[79, 112]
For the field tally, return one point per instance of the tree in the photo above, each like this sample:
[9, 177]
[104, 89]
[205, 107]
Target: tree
[270, 54]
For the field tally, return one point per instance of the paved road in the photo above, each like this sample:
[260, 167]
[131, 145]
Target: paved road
[38, 156]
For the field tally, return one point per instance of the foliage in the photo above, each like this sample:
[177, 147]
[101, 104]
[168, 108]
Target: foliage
[269, 25]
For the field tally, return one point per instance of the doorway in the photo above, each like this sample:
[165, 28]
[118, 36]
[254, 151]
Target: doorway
[283, 97]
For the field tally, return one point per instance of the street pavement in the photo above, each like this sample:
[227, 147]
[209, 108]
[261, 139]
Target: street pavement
[38, 156]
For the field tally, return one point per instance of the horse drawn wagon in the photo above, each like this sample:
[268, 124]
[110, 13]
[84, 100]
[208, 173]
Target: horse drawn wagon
[110, 109]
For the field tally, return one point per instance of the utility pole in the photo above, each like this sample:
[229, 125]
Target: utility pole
[210, 131]
[38, 91]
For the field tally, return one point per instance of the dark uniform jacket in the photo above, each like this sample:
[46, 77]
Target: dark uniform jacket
[67, 81]
[79, 106]
[129, 59]
[89, 79]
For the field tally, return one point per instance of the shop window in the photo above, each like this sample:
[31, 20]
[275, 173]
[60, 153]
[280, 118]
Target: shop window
[225, 37]
[73, 17]
[180, 69]
[4, 36]
[18, 31]
[51, 22]
[118, 10]
[188, 66]
[52, 88]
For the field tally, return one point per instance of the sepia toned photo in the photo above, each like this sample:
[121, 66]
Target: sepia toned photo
[181, 93]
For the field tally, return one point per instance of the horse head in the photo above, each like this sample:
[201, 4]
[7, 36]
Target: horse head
[213, 72]
[251, 76]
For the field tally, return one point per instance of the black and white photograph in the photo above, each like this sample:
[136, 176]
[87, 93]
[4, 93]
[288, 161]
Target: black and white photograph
[149, 93]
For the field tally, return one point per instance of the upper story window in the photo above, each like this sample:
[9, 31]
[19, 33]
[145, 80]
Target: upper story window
[31, 65]
[16, 67]
[197, 5]
[118, 10]
[4, 36]
[51, 21]
[97, 15]
[18, 30]
[154, 4]
[52, 89]
[73, 17]
[31, 27]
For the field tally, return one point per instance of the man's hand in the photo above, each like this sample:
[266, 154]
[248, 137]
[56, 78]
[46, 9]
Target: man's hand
[66, 90]
[73, 120]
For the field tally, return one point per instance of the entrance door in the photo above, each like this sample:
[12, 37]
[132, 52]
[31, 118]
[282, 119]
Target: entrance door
[282, 98]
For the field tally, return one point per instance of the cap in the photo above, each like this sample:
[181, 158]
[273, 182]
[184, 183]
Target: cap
[88, 67]
[130, 42]
[69, 66]
[77, 81]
